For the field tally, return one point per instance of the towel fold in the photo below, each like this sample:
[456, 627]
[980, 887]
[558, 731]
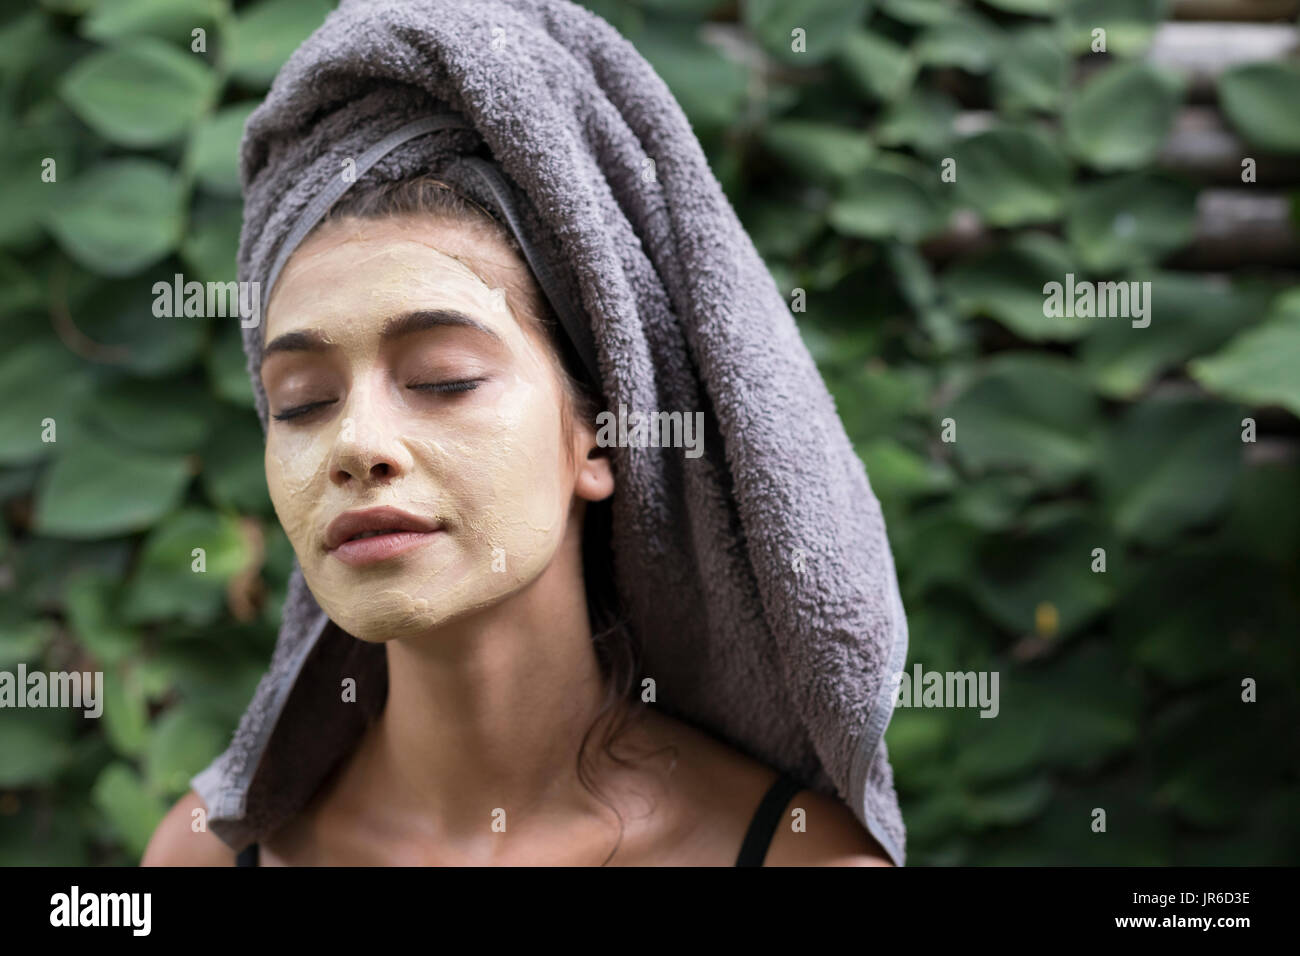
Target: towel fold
[757, 575]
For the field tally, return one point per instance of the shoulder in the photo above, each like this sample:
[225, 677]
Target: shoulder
[817, 830]
[176, 843]
[725, 786]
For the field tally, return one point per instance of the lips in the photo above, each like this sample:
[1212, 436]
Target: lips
[375, 534]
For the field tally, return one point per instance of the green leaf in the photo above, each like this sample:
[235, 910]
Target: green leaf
[214, 148]
[1027, 412]
[999, 748]
[133, 810]
[126, 711]
[168, 19]
[25, 196]
[168, 582]
[234, 472]
[1260, 101]
[878, 66]
[922, 119]
[1169, 465]
[181, 745]
[937, 548]
[1190, 314]
[967, 41]
[825, 25]
[119, 316]
[162, 416]
[920, 12]
[710, 88]
[1259, 366]
[264, 35]
[823, 152]
[1009, 805]
[121, 216]
[1011, 176]
[1020, 573]
[24, 641]
[882, 203]
[1121, 117]
[98, 491]
[1130, 220]
[1183, 617]
[35, 744]
[40, 380]
[228, 367]
[1043, 7]
[141, 93]
[210, 246]
[90, 601]
[781, 228]
[1091, 707]
[1210, 764]
[1128, 24]
[1265, 518]
[993, 503]
[898, 473]
[1032, 73]
[918, 739]
[1007, 283]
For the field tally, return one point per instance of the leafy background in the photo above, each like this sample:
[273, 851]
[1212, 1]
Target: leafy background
[1119, 690]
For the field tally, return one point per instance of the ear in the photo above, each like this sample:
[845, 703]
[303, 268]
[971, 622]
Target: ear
[595, 478]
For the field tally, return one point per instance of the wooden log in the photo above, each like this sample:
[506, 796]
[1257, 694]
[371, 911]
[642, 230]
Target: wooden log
[1204, 51]
[1200, 146]
[1258, 11]
[1234, 229]
[1203, 147]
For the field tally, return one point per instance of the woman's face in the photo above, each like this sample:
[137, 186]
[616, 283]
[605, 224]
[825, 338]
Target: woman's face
[400, 380]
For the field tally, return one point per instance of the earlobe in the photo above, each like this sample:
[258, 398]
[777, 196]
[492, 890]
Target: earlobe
[595, 477]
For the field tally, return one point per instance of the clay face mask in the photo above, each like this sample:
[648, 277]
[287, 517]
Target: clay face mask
[398, 379]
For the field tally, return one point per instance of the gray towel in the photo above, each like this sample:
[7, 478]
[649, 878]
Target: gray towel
[758, 575]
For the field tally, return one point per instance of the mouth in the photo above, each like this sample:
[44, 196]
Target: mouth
[377, 534]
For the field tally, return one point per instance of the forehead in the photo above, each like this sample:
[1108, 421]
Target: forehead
[362, 271]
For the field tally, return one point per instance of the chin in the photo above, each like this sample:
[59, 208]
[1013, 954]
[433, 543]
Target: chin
[393, 607]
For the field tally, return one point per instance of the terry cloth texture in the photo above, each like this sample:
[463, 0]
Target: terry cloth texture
[758, 576]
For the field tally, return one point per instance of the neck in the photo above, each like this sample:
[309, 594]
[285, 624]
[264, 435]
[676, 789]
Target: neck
[489, 712]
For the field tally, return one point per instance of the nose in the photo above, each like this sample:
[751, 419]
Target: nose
[368, 450]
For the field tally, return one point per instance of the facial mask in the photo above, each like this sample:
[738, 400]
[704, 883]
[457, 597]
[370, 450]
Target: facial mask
[488, 464]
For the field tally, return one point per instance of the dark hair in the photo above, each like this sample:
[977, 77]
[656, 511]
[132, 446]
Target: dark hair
[618, 649]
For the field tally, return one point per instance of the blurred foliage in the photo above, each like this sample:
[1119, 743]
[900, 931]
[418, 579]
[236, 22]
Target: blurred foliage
[1119, 690]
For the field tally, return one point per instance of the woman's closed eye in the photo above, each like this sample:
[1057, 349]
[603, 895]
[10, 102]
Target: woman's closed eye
[445, 388]
[298, 411]
[457, 385]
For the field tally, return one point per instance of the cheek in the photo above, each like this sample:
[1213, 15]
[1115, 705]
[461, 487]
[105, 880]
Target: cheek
[296, 477]
[507, 476]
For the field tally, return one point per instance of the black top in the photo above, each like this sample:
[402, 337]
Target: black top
[752, 851]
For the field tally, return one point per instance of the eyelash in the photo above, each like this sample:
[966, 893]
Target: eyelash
[463, 385]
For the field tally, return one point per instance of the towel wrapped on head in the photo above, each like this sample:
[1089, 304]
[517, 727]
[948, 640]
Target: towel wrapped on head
[758, 576]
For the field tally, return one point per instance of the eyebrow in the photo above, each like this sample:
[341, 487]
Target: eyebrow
[408, 323]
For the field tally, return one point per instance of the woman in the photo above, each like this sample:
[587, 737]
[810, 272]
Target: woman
[481, 577]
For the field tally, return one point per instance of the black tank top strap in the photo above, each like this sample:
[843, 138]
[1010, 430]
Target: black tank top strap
[766, 819]
[247, 856]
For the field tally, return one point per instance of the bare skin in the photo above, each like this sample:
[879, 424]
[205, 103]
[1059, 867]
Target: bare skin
[493, 678]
